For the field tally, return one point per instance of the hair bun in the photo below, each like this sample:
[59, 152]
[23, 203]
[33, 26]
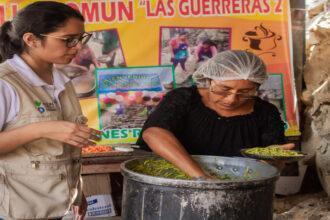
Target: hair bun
[7, 25]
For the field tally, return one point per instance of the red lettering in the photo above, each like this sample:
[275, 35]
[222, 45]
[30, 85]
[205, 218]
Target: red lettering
[236, 6]
[184, 7]
[112, 13]
[267, 7]
[2, 14]
[170, 7]
[216, 7]
[149, 12]
[246, 6]
[160, 9]
[226, 6]
[90, 12]
[206, 7]
[13, 12]
[127, 11]
[195, 7]
[279, 7]
[256, 6]
[14, 9]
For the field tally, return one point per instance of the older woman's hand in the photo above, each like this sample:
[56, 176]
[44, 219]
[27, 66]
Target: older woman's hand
[288, 146]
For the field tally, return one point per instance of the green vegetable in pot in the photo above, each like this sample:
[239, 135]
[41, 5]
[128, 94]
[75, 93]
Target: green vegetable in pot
[162, 168]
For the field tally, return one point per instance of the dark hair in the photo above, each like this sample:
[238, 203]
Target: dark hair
[37, 18]
[183, 33]
[209, 42]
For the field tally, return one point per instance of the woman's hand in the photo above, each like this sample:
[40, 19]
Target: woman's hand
[288, 146]
[166, 145]
[79, 212]
[66, 132]
[70, 133]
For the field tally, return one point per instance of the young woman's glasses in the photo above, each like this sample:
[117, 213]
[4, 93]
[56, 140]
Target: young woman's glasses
[242, 96]
[72, 41]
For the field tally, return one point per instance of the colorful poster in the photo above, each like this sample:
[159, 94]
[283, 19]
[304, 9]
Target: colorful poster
[126, 96]
[184, 34]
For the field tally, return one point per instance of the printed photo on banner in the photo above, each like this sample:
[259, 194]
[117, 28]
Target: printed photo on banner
[186, 48]
[126, 96]
[103, 50]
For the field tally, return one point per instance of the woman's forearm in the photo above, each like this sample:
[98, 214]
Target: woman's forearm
[10, 140]
[166, 145]
[76, 135]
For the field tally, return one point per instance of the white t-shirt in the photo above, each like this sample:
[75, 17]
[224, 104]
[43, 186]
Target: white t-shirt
[9, 99]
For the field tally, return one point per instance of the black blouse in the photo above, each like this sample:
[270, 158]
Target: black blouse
[202, 131]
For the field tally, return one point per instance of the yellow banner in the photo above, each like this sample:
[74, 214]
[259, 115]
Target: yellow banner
[132, 33]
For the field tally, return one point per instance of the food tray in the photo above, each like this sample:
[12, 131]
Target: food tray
[107, 154]
[112, 152]
[281, 158]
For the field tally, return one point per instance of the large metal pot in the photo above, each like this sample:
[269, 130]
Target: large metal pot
[147, 197]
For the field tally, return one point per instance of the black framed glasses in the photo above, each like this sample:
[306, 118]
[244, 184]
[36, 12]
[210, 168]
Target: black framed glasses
[72, 41]
[242, 96]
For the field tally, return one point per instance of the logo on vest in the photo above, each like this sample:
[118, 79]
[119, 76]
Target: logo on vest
[42, 107]
[39, 107]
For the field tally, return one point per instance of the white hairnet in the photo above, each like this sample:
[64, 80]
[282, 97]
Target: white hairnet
[231, 65]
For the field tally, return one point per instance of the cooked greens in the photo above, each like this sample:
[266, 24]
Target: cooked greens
[162, 168]
[272, 151]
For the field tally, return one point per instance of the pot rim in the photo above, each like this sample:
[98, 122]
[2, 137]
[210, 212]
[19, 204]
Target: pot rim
[205, 184]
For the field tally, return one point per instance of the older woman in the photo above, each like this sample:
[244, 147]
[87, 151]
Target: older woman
[219, 116]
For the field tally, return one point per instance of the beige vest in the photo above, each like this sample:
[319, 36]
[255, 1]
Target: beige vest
[40, 179]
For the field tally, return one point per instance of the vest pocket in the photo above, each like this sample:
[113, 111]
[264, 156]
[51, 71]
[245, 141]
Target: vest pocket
[42, 146]
[45, 147]
[38, 194]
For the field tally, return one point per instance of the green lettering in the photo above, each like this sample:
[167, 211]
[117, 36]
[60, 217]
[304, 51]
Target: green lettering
[114, 134]
[106, 134]
[123, 133]
[136, 132]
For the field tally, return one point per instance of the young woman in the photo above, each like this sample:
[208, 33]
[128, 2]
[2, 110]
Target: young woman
[219, 116]
[42, 126]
